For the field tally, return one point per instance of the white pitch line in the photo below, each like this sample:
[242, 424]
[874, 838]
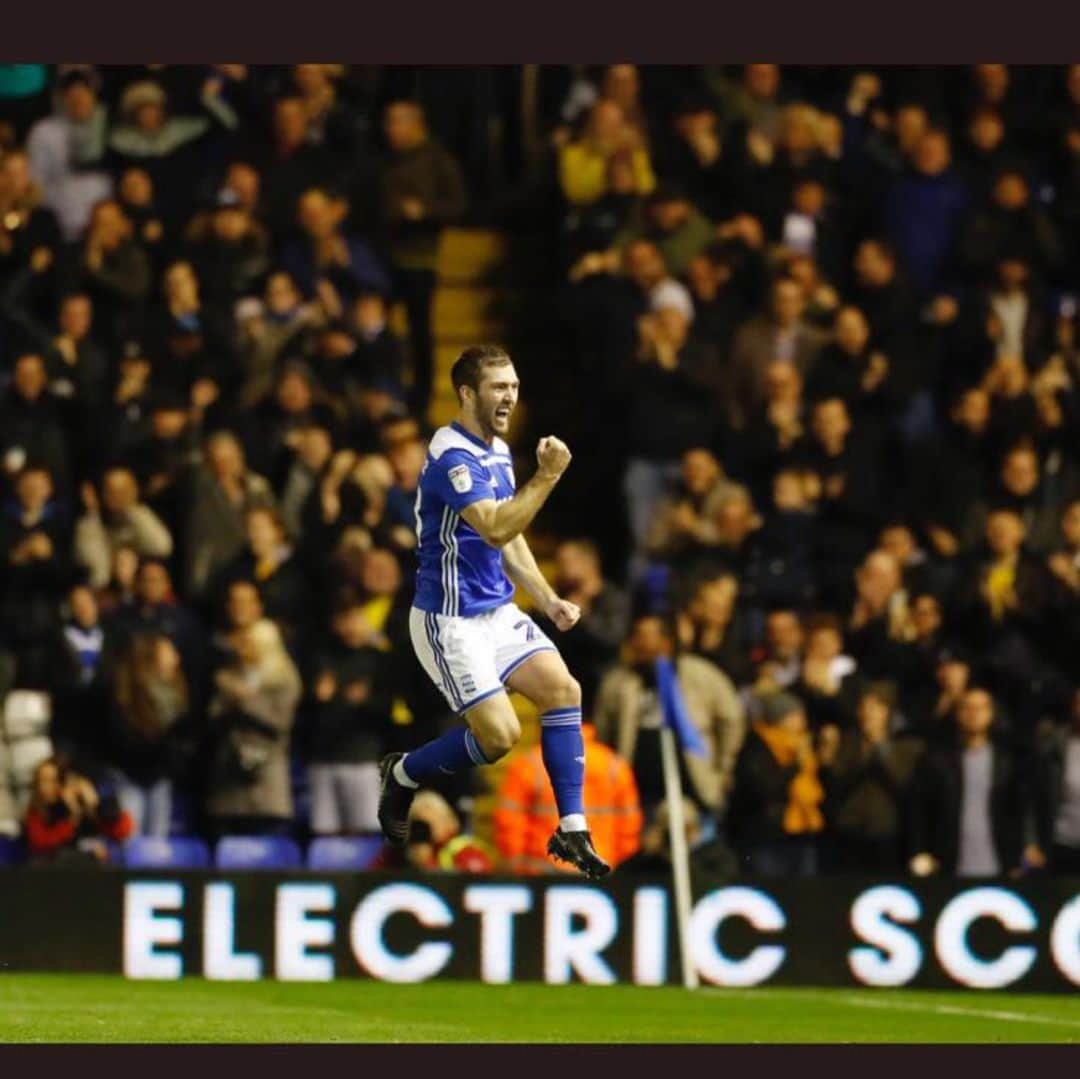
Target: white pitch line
[956, 1009]
[913, 1006]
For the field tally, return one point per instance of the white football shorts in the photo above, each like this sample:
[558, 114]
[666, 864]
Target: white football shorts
[470, 659]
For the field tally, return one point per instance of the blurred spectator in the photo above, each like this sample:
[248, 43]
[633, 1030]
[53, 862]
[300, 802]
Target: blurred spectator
[314, 448]
[779, 334]
[67, 819]
[970, 800]
[330, 122]
[721, 281]
[826, 681]
[327, 252]
[66, 151]
[629, 716]
[679, 231]
[1011, 227]
[274, 423]
[592, 646]
[753, 103]
[593, 227]
[668, 411]
[866, 771]
[28, 230]
[776, 431]
[348, 725]
[35, 544]
[371, 356]
[782, 566]
[849, 368]
[268, 561]
[166, 144]
[251, 716]
[116, 269]
[437, 843]
[119, 520]
[687, 520]
[224, 490]
[242, 609]
[780, 657]
[82, 697]
[32, 424]
[881, 294]
[271, 330]
[709, 625]
[583, 163]
[190, 341]
[229, 249]
[921, 655]
[711, 859]
[153, 608]
[1005, 597]
[422, 191]
[1036, 498]
[924, 208]
[621, 83]
[842, 456]
[151, 706]
[1057, 792]
[702, 160]
[954, 471]
[776, 808]
[526, 816]
[879, 625]
[136, 196]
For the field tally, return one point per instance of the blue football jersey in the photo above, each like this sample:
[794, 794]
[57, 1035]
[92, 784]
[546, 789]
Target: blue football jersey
[459, 573]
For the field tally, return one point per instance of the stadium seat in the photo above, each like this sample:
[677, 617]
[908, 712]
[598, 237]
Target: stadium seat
[12, 850]
[344, 852]
[26, 714]
[26, 755]
[155, 852]
[257, 852]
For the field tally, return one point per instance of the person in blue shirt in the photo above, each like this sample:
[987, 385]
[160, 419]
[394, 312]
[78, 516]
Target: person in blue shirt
[469, 635]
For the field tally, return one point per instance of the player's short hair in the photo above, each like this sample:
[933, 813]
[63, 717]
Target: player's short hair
[469, 367]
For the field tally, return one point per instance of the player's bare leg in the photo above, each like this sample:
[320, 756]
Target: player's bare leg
[495, 726]
[547, 682]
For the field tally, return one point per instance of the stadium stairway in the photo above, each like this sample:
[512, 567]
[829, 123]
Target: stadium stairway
[471, 305]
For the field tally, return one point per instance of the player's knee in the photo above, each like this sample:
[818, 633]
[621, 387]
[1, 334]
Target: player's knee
[565, 693]
[498, 739]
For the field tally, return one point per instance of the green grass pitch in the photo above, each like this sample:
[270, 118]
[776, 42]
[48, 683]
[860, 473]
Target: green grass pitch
[92, 1008]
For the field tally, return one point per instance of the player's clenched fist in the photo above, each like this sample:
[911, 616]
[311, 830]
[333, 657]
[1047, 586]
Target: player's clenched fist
[552, 455]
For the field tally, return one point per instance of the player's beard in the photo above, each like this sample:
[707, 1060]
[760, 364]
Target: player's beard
[491, 424]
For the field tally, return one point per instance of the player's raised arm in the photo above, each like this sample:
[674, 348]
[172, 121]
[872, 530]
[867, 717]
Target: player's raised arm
[499, 522]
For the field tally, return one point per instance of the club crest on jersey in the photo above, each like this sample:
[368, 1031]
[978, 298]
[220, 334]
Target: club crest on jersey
[460, 478]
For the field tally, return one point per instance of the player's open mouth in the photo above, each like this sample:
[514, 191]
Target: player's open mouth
[502, 413]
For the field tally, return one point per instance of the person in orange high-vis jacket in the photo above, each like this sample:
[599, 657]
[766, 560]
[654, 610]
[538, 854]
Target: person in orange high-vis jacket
[525, 812]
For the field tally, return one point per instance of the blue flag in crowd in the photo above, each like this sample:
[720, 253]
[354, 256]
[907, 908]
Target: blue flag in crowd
[673, 707]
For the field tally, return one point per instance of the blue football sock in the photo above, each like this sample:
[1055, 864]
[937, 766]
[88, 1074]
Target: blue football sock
[563, 750]
[452, 752]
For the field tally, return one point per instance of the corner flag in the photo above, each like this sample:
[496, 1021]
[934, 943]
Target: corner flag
[673, 707]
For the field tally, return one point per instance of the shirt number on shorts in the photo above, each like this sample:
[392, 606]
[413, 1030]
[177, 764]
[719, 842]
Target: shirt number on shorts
[530, 629]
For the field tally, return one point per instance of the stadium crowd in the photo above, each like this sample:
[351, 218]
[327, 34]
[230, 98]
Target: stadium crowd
[824, 345]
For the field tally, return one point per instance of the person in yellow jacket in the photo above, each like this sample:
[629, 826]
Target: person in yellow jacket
[583, 163]
[525, 811]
